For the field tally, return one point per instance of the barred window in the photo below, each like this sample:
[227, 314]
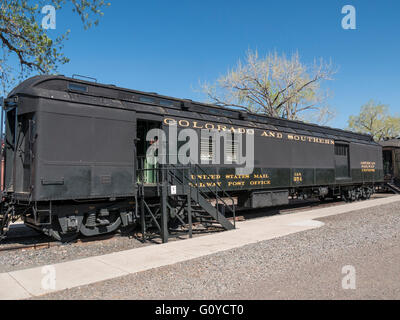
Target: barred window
[341, 150]
[207, 145]
[231, 149]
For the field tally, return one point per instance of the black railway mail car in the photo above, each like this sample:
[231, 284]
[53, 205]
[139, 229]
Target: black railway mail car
[72, 150]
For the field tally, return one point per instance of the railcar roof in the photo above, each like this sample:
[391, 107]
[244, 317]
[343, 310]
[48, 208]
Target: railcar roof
[395, 143]
[33, 86]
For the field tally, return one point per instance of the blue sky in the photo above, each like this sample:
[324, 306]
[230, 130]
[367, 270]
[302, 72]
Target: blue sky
[169, 46]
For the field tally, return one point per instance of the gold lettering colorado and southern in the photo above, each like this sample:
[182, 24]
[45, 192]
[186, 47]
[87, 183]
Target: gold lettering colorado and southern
[193, 124]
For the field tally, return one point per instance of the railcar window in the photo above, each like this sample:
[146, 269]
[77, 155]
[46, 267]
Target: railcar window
[167, 103]
[231, 149]
[77, 87]
[207, 148]
[341, 150]
[213, 111]
[255, 118]
[232, 114]
[147, 99]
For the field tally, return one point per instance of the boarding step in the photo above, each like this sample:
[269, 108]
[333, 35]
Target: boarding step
[211, 210]
[392, 186]
[203, 211]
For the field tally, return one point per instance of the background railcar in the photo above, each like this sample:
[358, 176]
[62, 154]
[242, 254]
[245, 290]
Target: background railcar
[74, 159]
[391, 164]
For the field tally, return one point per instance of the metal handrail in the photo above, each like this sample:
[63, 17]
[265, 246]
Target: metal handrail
[217, 186]
[171, 170]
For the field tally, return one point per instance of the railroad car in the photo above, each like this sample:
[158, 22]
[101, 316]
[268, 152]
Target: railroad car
[75, 160]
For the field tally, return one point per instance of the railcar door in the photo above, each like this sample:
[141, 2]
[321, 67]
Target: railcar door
[396, 164]
[9, 149]
[388, 163]
[146, 170]
[342, 161]
[18, 149]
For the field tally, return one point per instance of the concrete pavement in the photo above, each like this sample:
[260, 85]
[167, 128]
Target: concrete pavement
[33, 282]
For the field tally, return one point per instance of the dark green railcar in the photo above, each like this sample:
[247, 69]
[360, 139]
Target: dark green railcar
[74, 158]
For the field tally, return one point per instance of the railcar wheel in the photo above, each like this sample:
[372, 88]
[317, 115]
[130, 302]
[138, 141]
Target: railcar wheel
[104, 222]
[357, 194]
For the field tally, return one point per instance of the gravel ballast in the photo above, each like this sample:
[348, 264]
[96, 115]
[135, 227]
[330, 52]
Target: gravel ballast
[29, 258]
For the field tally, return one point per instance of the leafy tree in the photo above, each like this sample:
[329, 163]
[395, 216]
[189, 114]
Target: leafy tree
[276, 86]
[25, 43]
[375, 119]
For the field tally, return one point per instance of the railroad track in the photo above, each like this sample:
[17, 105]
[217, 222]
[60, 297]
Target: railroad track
[35, 246]
[46, 243]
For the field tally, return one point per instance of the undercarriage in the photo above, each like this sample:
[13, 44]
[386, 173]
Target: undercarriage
[65, 220]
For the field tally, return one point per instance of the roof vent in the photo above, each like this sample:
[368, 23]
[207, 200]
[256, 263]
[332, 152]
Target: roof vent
[80, 77]
[186, 105]
[242, 115]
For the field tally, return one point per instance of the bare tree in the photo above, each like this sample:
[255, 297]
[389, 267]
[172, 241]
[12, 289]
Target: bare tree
[276, 86]
[375, 119]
